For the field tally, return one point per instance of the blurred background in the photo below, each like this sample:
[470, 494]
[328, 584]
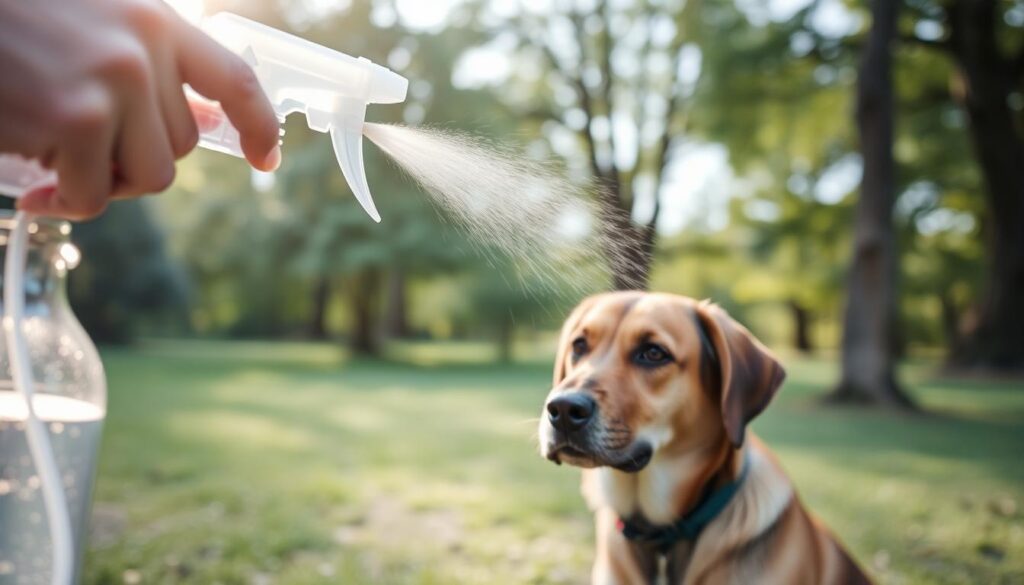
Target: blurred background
[299, 395]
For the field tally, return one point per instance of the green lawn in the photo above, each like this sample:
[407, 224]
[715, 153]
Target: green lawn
[285, 463]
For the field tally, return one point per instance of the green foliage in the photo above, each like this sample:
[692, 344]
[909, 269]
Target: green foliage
[774, 90]
[261, 257]
[126, 284]
[778, 94]
[783, 112]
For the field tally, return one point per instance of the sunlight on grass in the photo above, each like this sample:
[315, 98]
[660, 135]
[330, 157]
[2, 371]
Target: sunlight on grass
[291, 464]
[361, 418]
[226, 427]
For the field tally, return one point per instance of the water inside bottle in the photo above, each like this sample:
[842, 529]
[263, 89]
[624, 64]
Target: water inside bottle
[74, 427]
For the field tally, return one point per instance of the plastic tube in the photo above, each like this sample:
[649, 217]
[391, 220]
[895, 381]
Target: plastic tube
[57, 513]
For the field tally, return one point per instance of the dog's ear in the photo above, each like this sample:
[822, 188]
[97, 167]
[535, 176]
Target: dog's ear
[747, 372]
[565, 340]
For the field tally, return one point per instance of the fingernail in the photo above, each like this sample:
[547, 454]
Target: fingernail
[30, 199]
[273, 159]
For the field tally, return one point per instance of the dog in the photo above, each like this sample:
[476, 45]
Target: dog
[652, 396]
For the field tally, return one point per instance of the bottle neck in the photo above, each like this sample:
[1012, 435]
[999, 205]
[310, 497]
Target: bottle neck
[47, 263]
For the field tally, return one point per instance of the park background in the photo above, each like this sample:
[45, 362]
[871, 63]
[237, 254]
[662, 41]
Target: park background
[298, 395]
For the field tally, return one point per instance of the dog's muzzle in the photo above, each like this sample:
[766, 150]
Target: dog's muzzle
[577, 437]
[570, 418]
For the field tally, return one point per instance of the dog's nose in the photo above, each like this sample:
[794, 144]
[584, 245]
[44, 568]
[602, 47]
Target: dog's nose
[571, 412]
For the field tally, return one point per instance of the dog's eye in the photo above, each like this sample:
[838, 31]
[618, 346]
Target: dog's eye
[651, 354]
[579, 347]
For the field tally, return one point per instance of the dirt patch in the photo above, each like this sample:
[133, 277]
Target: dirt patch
[390, 523]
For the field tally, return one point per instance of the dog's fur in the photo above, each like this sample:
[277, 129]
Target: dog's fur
[664, 434]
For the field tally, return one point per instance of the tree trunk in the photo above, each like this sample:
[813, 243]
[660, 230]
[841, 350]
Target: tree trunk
[364, 297]
[950, 322]
[868, 352]
[506, 330]
[995, 340]
[801, 327]
[629, 250]
[396, 323]
[317, 328]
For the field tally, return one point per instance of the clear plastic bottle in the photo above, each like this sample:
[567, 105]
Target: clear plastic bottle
[70, 398]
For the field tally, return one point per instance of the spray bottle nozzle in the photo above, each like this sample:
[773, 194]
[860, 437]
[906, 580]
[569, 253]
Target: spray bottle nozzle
[332, 90]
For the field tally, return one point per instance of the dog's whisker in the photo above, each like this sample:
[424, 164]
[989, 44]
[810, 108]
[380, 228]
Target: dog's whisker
[534, 421]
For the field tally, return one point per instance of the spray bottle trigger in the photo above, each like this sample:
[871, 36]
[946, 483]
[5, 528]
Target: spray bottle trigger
[347, 138]
[348, 148]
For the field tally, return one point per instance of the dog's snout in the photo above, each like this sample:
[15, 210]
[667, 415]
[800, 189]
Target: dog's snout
[571, 412]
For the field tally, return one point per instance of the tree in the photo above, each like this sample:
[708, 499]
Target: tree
[615, 80]
[796, 251]
[126, 280]
[500, 302]
[870, 321]
[989, 56]
[778, 107]
[939, 213]
[276, 261]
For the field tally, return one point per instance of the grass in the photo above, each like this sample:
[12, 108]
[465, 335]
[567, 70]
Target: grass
[255, 463]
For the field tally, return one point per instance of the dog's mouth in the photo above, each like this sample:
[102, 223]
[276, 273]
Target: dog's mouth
[568, 453]
[636, 457]
[631, 459]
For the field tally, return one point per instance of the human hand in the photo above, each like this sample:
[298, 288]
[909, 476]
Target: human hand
[93, 90]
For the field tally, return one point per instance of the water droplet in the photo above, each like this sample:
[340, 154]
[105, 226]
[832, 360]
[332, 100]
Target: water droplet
[56, 428]
[5, 487]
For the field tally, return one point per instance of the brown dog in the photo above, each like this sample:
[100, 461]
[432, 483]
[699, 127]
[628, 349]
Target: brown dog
[652, 394]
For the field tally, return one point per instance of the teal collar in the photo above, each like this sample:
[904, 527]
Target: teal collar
[664, 536]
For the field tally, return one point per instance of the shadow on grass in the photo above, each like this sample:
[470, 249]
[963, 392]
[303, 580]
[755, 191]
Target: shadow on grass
[981, 425]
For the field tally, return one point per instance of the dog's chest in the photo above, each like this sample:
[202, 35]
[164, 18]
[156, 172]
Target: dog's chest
[654, 492]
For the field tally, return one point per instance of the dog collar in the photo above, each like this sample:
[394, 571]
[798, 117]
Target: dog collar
[689, 527]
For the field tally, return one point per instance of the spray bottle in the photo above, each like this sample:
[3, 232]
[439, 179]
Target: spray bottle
[332, 90]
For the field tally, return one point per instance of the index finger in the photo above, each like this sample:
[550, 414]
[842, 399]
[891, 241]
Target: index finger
[220, 75]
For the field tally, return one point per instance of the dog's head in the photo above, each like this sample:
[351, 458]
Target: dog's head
[640, 372]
